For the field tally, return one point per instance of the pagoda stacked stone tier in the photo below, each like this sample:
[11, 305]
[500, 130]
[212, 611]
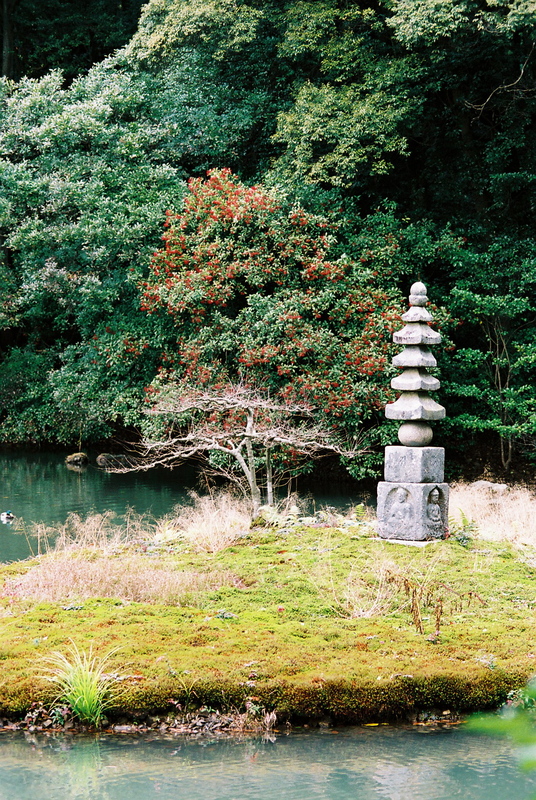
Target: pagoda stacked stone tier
[413, 498]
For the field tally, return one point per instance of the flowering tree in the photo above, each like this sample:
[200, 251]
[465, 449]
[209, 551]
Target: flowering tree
[259, 296]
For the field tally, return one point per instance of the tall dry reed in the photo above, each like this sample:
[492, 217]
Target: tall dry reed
[212, 522]
[103, 532]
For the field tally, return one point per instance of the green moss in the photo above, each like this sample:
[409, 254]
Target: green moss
[285, 632]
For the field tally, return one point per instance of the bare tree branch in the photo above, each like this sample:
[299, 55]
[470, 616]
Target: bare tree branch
[238, 422]
[503, 87]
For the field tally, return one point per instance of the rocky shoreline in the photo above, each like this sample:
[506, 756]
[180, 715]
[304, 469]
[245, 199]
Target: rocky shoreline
[200, 723]
[203, 722]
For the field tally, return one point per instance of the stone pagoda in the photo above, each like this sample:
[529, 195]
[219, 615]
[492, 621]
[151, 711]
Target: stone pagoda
[413, 499]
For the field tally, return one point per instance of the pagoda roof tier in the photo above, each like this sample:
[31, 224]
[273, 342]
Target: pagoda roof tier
[417, 314]
[414, 356]
[414, 406]
[417, 333]
[414, 380]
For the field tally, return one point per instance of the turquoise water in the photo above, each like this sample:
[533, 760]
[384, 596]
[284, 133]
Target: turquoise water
[354, 764]
[40, 488]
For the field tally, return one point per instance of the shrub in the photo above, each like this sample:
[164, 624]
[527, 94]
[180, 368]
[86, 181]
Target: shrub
[212, 523]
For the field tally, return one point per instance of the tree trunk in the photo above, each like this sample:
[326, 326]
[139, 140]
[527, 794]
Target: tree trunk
[253, 485]
[506, 452]
[248, 468]
[269, 478]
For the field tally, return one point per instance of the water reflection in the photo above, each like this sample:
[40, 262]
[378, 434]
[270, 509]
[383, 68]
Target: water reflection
[355, 764]
[39, 488]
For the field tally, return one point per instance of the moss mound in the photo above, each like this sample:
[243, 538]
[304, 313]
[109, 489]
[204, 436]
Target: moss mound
[309, 621]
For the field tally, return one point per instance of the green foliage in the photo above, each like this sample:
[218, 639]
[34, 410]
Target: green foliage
[433, 22]
[235, 46]
[347, 121]
[426, 104]
[71, 35]
[490, 387]
[406, 126]
[464, 530]
[71, 233]
[87, 173]
[524, 698]
[259, 296]
[341, 135]
[76, 232]
[422, 21]
[82, 681]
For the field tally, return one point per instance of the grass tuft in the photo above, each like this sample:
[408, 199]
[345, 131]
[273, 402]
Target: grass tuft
[211, 523]
[82, 682]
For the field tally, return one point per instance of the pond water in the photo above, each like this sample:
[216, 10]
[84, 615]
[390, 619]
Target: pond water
[352, 764]
[39, 487]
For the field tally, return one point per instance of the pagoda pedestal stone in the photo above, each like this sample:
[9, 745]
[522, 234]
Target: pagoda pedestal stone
[413, 511]
[413, 498]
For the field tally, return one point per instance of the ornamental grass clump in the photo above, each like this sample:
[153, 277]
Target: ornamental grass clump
[82, 681]
[212, 522]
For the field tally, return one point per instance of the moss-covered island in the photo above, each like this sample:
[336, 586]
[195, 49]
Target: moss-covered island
[307, 618]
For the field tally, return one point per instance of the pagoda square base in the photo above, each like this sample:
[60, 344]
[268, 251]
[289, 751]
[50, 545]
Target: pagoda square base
[412, 511]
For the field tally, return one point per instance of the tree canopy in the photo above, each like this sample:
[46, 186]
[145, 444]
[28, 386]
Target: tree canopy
[67, 34]
[404, 127]
[259, 295]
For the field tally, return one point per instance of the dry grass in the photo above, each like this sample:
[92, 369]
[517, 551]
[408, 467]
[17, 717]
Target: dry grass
[96, 556]
[374, 596]
[76, 577]
[387, 587]
[509, 515]
[97, 531]
[211, 523]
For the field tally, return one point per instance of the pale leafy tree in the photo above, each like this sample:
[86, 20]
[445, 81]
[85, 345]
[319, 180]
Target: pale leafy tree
[242, 426]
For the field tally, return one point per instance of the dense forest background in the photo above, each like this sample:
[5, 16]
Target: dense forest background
[315, 158]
